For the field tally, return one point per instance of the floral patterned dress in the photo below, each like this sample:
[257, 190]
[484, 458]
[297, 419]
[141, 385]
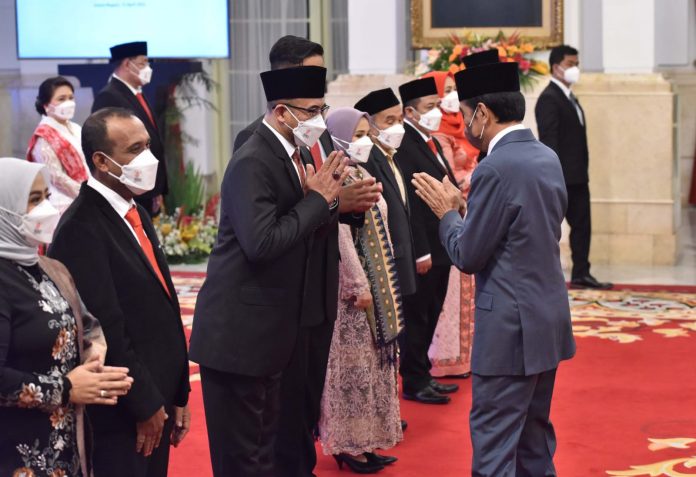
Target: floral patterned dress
[360, 404]
[38, 346]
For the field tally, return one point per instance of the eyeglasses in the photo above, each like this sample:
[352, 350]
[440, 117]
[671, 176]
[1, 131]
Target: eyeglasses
[313, 110]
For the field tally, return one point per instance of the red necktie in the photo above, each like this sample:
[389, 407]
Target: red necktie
[143, 103]
[300, 167]
[133, 218]
[431, 145]
[316, 156]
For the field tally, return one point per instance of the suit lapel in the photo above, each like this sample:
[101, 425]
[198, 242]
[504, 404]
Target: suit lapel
[280, 153]
[570, 107]
[448, 169]
[120, 224]
[119, 86]
[381, 161]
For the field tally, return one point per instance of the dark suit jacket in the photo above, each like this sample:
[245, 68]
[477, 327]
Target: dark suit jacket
[561, 130]
[244, 135]
[509, 239]
[117, 94]
[248, 311]
[141, 322]
[399, 220]
[413, 156]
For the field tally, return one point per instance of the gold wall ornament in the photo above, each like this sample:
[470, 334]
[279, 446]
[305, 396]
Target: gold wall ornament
[427, 34]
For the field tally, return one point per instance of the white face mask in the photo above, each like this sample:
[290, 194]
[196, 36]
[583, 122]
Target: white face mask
[308, 132]
[431, 119]
[358, 151]
[450, 102]
[571, 75]
[140, 174]
[64, 111]
[392, 136]
[38, 225]
[144, 74]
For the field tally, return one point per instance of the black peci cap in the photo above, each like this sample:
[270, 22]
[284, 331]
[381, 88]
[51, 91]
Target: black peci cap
[486, 79]
[377, 101]
[127, 50]
[298, 82]
[417, 89]
[481, 58]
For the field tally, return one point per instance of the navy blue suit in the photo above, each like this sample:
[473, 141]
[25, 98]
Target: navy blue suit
[509, 239]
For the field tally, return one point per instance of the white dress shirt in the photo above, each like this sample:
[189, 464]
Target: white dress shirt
[502, 133]
[426, 139]
[567, 92]
[288, 146]
[119, 204]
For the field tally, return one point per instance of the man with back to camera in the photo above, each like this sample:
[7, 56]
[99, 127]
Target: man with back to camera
[132, 71]
[561, 124]
[509, 238]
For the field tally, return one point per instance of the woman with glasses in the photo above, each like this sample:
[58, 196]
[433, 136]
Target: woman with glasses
[360, 405]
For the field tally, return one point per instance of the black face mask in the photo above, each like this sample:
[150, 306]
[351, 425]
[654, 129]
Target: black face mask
[476, 141]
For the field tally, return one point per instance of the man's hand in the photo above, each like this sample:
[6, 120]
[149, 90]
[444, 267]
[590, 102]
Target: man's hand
[329, 179]
[441, 197]
[424, 266]
[359, 196]
[150, 433]
[182, 424]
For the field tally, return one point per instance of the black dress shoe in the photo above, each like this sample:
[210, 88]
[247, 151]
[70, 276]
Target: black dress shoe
[380, 459]
[588, 281]
[427, 395]
[404, 425]
[458, 376]
[443, 388]
[357, 466]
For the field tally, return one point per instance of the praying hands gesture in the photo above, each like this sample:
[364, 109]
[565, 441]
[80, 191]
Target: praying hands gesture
[441, 197]
[329, 179]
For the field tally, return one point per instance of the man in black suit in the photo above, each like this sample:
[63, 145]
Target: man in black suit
[303, 379]
[420, 152]
[124, 90]
[561, 123]
[109, 245]
[387, 131]
[248, 317]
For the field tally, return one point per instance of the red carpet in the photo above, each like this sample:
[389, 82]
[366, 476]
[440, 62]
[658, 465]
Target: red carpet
[625, 406]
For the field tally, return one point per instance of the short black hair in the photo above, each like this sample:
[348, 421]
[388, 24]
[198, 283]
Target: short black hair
[507, 107]
[95, 136]
[411, 103]
[291, 51]
[46, 90]
[558, 53]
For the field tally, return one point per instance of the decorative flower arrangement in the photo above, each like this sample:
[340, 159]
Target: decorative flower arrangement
[188, 238]
[510, 49]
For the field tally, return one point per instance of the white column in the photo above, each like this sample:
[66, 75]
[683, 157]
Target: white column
[376, 36]
[571, 23]
[628, 29]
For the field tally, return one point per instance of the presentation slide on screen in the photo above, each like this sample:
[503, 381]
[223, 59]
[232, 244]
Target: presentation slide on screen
[87, 28]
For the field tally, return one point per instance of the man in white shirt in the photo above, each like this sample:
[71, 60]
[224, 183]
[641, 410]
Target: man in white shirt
[561, 123]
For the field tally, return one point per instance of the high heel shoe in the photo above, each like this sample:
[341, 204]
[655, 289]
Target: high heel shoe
[356, 466]
[375, 458]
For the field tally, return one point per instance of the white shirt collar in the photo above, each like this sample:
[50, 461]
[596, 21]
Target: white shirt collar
[502, 133]
[564, 88]
[135, 91]
[425, 138]
[287, 145]
[120, 205]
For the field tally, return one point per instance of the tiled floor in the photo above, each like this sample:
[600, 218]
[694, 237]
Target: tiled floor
[683, 273]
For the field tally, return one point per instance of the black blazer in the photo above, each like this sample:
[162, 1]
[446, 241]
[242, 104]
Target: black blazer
[399, 219]
[561, 130]
[117, 94]
[413, 156]
[248, 311]
[244, 135]
[141, 322]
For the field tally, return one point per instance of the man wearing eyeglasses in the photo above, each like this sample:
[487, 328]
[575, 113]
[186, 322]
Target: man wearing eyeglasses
[124, 90]
[303, 378]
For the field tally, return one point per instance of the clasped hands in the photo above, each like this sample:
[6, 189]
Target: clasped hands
[356, 197]
[441, 197]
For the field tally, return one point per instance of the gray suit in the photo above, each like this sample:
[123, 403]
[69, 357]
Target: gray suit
[509, 239]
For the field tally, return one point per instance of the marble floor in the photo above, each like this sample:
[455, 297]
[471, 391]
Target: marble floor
[683, 273]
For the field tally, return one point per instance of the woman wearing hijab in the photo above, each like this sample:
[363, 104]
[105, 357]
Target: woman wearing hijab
[450, 351]
[360, 405]
[56, 141]
[45, 335]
